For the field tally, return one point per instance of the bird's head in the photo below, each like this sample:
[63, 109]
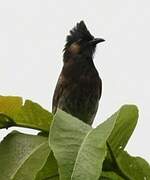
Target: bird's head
[80, 42]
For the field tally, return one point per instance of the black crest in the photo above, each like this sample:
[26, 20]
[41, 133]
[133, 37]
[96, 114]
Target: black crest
[80, 31]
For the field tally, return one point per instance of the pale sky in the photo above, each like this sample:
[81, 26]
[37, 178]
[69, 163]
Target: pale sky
[32, 36]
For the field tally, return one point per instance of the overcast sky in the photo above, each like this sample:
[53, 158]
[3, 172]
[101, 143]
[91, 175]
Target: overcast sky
[32, 36]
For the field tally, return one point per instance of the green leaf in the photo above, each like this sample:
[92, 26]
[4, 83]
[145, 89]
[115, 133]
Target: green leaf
[135, 168]
[49, 169]
[107, 175]
[22, 156]
[34, 116]
[9, 104]
[29, 114]
[66, 136]
[126, 120]
[78, 149]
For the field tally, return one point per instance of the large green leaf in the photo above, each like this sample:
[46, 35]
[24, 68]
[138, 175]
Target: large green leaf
[126, 120]
[22, 156]
[66, 136]
[79, 149]
[135, 168]
[14, 113]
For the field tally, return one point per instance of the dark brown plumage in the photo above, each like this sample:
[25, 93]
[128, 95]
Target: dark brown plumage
[79, 86]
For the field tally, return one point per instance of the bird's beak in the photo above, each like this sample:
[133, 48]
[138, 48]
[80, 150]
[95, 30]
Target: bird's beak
[96, 41]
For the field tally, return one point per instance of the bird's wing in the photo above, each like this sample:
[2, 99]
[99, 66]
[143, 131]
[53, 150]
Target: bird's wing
[57, 94]
[100, 88]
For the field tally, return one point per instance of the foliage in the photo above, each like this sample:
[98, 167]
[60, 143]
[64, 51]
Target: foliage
[67, 148]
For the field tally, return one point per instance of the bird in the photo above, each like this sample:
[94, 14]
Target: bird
[79, 86]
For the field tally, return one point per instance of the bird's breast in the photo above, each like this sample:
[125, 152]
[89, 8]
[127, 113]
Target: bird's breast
[81, 77]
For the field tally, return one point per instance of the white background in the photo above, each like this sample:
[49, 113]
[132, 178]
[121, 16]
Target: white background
[32, 36]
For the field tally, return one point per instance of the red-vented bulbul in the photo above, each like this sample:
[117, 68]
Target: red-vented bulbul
[79, 86]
